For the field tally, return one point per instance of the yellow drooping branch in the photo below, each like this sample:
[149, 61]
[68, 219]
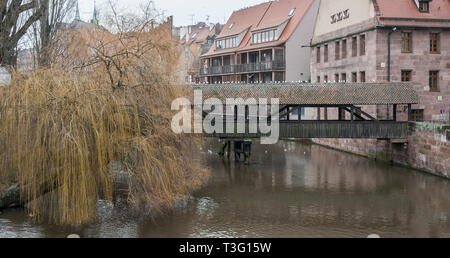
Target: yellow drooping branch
[61, 128]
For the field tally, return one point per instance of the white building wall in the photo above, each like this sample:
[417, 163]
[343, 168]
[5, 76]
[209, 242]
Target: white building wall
[298, 57]
[358, 10]
[5, 77]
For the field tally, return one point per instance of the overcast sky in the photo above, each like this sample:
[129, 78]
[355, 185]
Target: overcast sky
[182, 10]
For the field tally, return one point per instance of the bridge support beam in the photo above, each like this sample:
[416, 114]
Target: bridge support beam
[226, 149]
[243, 148]
[240, 148]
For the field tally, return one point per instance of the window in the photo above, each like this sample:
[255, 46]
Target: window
[424, 6]
[417, 115]
[354, 77]
[344, 77]
[406, 42]
[354, 46]
[434, 43]
[406, 75]
[265, 36]
[338, 50]
[325, 53]
[231, 25]
[325, 78]
[226, 43]
[336, 77]
[344, 49]
[291, 12]
[434, 81]
[362, 77]
[318, 79]
[318, 54]
[362, 45]
[195, 35]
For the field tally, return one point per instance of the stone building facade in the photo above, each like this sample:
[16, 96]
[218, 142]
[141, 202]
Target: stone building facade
[350, 43]
[191, 46]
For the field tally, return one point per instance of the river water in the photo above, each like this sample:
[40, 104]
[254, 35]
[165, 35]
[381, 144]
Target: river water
[291, 189]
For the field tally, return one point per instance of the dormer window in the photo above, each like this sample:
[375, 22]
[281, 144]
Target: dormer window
[265, 36]
[291, 12]
[424, 6]
[227, 43]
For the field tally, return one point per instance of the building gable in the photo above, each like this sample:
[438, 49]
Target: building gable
[336, 15]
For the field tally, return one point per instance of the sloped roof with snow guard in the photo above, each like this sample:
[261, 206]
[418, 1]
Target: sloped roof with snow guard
[261, 17]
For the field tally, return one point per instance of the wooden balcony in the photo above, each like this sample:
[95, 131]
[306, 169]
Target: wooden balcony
[244, 68]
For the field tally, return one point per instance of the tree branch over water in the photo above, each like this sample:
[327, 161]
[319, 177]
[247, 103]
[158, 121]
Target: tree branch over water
[63, 127]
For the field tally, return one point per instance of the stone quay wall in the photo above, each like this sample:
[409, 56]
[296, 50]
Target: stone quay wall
[427, 148]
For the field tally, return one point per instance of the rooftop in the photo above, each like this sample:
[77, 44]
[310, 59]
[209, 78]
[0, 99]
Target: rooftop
[260, 17]
[197, 35]
[317, 94]
[406, 13]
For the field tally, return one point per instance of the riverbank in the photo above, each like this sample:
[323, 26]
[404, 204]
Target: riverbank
[427, 148]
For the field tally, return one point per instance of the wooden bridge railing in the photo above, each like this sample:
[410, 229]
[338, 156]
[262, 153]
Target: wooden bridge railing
[328, 129]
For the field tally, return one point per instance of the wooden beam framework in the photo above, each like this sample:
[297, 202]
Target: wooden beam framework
[292, 125]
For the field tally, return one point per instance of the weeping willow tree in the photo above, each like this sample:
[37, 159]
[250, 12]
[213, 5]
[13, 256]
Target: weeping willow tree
[106, 100]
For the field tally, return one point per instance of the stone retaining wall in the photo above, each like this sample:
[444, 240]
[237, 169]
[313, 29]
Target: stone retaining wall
[427, 148]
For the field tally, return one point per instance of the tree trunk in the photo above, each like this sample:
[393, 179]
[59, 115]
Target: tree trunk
[8, 56]
[44, 35]
[13, 26]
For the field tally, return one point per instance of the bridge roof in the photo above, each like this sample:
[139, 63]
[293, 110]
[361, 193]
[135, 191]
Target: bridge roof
[317, 94]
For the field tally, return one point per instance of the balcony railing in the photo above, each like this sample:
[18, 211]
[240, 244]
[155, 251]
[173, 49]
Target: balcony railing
[244, 68]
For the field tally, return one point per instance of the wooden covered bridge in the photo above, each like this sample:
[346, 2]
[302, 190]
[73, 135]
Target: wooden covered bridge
[349, 103]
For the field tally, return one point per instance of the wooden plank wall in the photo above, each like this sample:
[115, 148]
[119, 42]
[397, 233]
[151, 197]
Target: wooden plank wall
[333, 129]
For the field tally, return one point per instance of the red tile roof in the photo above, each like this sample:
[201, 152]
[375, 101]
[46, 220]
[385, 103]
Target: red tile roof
[244, 19]
[202, 35]
[406, 13]
[263, 16]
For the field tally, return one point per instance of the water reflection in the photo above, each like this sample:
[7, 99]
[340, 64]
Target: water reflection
[290, 190]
